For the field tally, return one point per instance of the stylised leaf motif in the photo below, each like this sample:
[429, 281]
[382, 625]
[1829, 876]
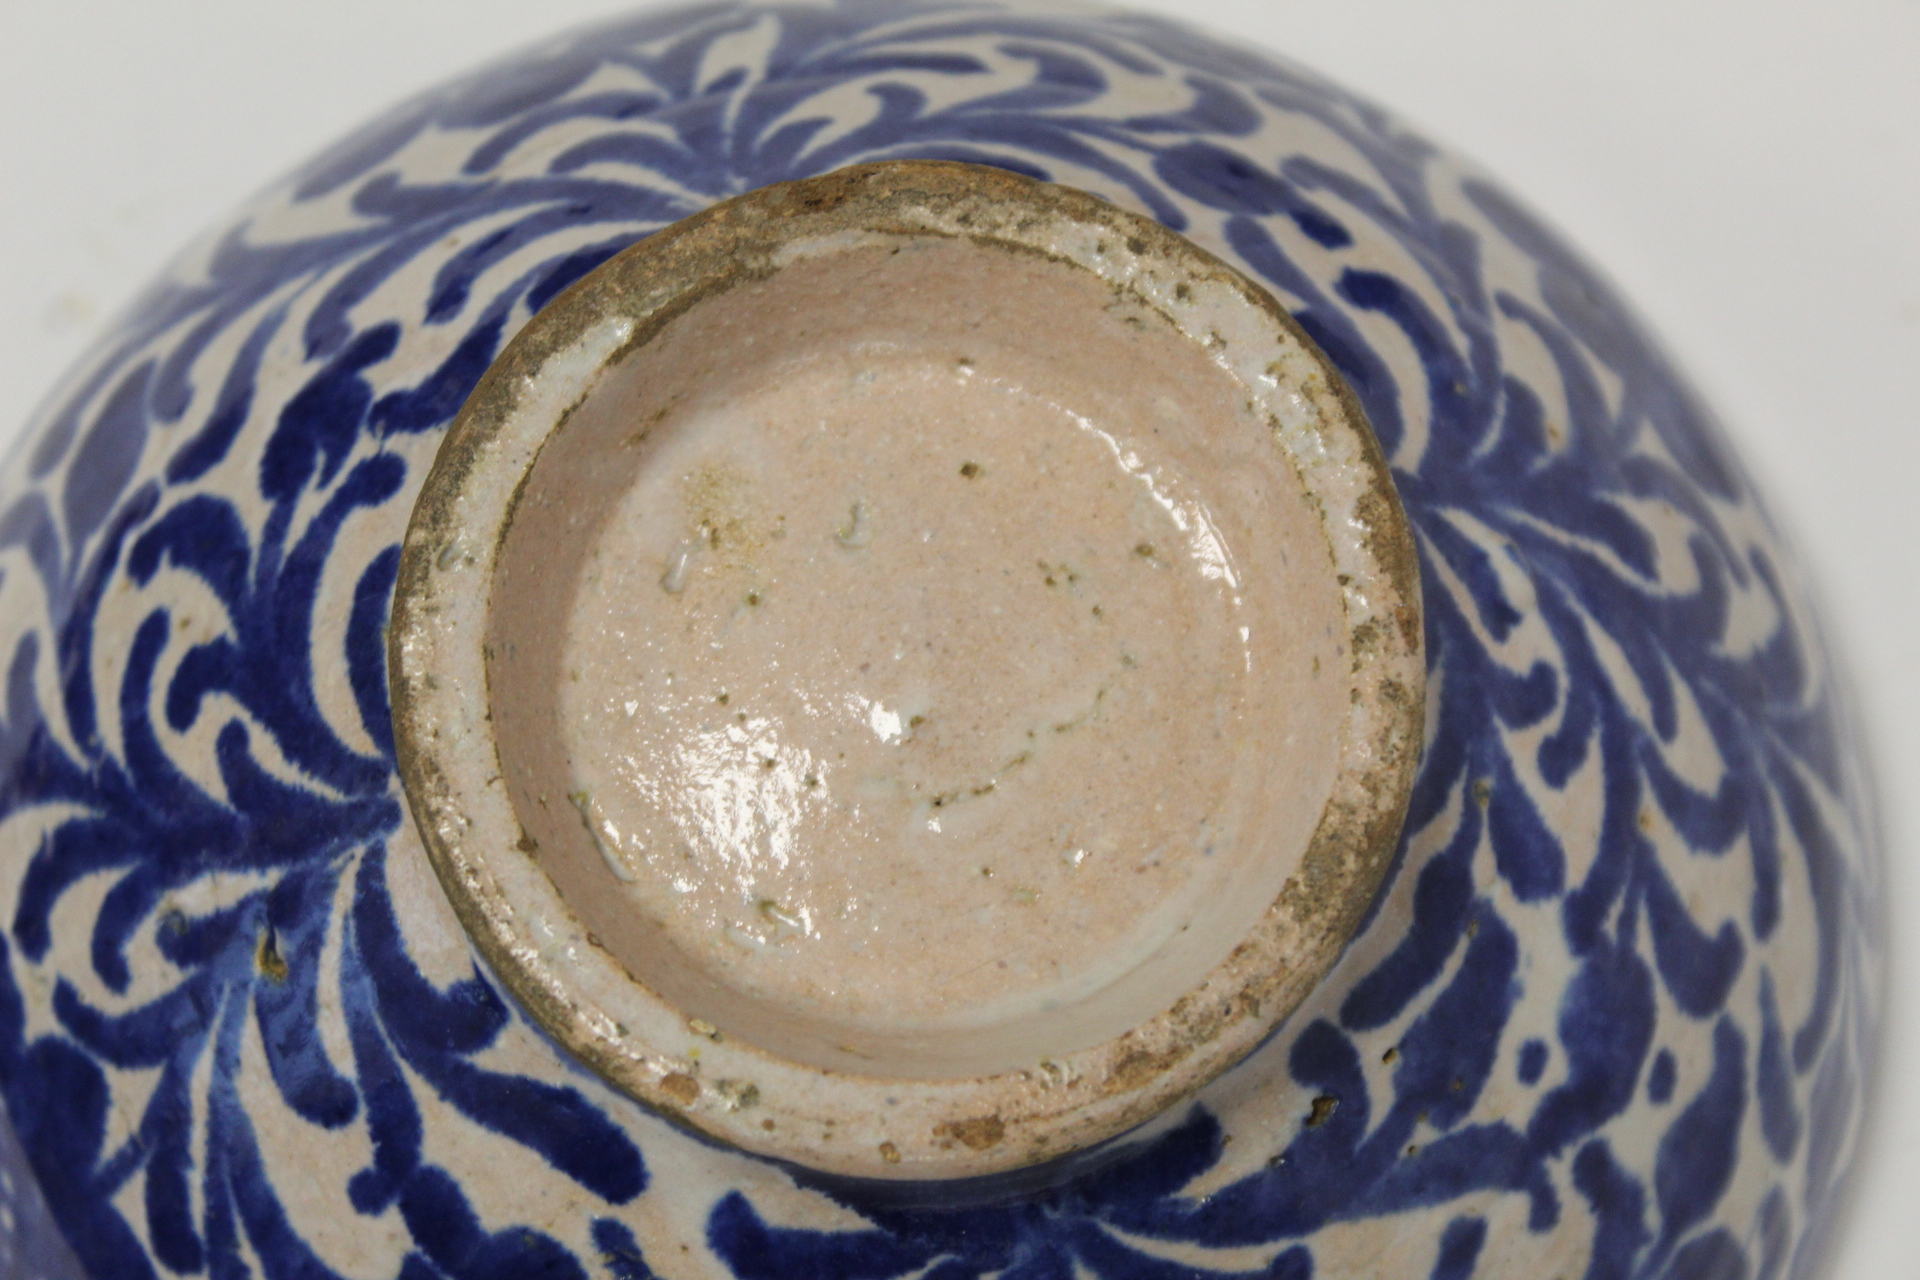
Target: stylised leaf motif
[1593, 566]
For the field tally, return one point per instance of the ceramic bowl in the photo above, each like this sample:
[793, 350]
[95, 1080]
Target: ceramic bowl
[332, 949]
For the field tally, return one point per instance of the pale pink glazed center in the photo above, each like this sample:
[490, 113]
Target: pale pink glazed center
[918, 660]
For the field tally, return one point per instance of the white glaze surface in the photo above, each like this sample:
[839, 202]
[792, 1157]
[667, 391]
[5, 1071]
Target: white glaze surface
[912, 676]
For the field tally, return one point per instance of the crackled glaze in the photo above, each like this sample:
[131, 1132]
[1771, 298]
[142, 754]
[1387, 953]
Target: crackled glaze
[1608, 1017]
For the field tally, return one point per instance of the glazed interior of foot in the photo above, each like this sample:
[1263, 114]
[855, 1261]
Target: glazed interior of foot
[917, 662]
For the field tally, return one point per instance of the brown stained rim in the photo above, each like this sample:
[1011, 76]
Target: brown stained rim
[633, 1037]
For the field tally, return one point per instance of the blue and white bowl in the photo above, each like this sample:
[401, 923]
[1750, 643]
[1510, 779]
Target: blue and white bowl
[1612, 1011]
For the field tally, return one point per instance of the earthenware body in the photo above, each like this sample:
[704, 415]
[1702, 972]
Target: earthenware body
[1608, 1015]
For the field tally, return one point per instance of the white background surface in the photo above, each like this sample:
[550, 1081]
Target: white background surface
[1748, 172]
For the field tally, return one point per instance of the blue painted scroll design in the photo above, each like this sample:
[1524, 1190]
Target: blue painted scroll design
[250, 414]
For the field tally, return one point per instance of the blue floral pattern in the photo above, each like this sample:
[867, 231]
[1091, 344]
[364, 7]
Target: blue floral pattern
[1610, 1014]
